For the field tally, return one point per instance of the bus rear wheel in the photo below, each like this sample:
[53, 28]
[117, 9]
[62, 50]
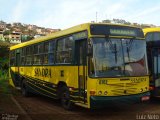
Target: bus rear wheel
[65, 99]
[24, 89]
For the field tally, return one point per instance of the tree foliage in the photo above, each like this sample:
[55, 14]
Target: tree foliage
[4, 57]
[7, 32]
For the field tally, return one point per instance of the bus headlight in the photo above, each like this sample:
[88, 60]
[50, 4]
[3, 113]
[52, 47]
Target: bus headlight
[141, 90]
[105, 93]
[146, 88]
[100, 93]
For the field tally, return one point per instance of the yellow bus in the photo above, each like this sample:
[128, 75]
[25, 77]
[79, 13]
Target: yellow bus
[152, 36]
[90, 65]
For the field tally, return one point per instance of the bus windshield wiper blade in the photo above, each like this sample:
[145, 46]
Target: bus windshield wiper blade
[130, 62]
[129, 45]
[113, 47]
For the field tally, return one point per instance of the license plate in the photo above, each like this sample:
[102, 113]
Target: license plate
[145, 98]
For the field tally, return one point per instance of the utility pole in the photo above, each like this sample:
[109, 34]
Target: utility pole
[96, 17]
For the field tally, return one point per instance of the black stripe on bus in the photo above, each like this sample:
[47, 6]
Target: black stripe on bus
[47, 88]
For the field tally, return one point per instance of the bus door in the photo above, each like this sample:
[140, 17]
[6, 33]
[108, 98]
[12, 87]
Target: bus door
[156, 70]
[17, 77]
[82, 69]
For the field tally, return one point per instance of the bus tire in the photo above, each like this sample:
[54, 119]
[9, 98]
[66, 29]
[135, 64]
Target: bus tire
[65, 98]
[24, 89]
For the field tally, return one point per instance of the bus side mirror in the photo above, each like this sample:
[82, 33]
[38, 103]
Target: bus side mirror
[90, 50]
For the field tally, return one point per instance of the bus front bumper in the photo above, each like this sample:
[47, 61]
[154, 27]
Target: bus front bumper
[104, 101]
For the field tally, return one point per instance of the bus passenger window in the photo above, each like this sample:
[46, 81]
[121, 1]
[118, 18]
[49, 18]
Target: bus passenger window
[51, 52]
[45, 53]
[29, 55]
[45, 57]
[12, 58]
[38, 49]
[23, 56]
[149, 37]
[156, 36]
[64, 50]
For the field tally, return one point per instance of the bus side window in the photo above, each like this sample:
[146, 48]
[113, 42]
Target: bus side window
[64, 50]
[156, 36]
[35, 56]
[38, 51]
[149, 37]
[45, 53]
[51, 52]
[12, 58]
[23, 56]
[29, 52]
[91, 66]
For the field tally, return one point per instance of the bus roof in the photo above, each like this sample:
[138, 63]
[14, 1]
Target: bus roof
[154, 29]
[68, 31]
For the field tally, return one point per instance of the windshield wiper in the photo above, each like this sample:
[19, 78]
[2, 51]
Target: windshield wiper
[129, 46]
[113, 47]
[130, 62]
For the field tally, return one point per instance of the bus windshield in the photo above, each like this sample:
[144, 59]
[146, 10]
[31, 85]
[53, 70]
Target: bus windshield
[114, 57]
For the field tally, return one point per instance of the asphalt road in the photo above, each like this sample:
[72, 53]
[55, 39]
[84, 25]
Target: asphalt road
[42, 108]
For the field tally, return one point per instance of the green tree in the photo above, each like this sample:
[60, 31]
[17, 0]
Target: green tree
[7, 40]
[7, 32]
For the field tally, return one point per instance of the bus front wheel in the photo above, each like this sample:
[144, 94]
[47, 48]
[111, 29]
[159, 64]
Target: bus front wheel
[65, 98]
[24, 90]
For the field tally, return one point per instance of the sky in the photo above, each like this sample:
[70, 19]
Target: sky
[62, 14]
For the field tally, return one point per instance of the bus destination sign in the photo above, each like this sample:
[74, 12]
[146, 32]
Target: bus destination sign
[116, 30]
[122, 32]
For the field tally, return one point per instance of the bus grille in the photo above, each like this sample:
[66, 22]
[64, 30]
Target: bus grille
[123, 88]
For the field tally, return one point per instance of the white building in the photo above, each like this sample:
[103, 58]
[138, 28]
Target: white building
[15, 37]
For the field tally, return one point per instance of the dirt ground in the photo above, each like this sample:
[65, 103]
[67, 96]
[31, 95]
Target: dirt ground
[16, 107]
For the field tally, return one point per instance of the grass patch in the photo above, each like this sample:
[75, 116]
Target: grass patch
[4, 86]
